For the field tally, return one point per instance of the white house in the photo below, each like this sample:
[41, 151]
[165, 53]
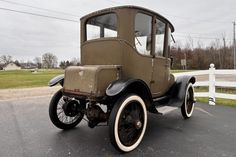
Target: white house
[11, 66]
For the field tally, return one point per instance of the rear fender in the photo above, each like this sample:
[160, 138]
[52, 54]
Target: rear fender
[136, 86]
[56, 80]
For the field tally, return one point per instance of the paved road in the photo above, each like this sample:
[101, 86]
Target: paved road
[26, 131]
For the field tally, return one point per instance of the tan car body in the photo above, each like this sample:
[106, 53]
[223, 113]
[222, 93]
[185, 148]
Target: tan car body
[128, 74]
[105, 60]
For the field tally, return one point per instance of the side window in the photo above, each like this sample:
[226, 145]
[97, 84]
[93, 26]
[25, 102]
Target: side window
[160, 38]
[93, 32]
[101, 26]
[143, 29]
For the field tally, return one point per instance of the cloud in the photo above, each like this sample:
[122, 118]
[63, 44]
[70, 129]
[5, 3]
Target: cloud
[27, 36]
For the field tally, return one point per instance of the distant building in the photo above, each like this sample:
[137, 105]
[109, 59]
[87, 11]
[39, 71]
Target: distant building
[11, 66]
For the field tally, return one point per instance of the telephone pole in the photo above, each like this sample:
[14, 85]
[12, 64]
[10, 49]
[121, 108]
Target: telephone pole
[234, 43]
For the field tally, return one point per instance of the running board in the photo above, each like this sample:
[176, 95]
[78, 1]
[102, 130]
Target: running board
[165, 109]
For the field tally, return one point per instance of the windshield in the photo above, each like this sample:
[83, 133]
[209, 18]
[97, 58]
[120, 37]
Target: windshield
[101, 26]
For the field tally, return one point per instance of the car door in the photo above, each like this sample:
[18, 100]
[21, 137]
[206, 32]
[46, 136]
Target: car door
[161, 63]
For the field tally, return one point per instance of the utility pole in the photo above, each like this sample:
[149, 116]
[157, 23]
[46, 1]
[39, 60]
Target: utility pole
[234, 43]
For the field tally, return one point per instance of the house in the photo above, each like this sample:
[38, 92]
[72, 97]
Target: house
[11, 66]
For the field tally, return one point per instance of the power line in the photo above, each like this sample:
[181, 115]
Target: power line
[35, 14]
[207, 38]
[30, 6]
[199, 35]
[180, 17]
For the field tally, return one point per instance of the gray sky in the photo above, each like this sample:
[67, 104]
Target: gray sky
[25, 36]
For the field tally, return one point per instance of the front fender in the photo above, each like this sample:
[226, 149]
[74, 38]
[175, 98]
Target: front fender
[178, 90]
[56, 80]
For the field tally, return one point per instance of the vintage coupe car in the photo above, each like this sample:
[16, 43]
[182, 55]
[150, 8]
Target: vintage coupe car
[124, 72]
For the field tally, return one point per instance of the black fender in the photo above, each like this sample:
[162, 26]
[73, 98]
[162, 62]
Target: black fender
[178, 90]
[137, 86]
[56, 80]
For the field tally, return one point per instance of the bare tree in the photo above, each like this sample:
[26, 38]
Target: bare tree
[49, 60]
[5, 59]
[189, 42]
[75, 61]
[38, 62]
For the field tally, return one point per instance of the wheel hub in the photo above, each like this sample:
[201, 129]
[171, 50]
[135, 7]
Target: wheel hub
[138, 124]
[71, 108]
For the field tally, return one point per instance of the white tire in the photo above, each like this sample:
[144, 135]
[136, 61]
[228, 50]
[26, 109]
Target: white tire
[188, 105]
[129, 110]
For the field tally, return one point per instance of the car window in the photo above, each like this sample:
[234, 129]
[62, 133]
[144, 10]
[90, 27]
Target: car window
[143, 29]
[101, 26]
[160, 38]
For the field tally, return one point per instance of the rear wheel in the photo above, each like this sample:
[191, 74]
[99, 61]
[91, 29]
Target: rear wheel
[65, 112]
[188, 105]
[127, 122]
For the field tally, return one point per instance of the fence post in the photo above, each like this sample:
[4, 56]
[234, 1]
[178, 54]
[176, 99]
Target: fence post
[212, 89]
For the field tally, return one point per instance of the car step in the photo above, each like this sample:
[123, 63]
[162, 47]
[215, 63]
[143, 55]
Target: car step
[165, 109]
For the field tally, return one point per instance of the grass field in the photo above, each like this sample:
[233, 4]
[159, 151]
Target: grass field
[219, 101]
[26, 78]
[180, 71]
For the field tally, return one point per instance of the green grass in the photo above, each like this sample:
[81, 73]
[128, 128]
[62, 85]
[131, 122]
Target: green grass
[218, 90]
[180, 71]
[26, 78]
[219, 101]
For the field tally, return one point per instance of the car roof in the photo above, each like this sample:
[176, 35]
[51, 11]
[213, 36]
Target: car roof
[128, 7]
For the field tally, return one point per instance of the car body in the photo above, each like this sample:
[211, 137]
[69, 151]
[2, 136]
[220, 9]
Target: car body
[125, 65]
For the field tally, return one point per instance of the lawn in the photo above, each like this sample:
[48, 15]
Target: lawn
[180, 71]
[26, 78]
[219, 101]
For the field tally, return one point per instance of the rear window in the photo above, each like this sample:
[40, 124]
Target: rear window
[102, 26]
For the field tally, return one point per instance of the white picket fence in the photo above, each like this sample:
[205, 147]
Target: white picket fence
[212, 83]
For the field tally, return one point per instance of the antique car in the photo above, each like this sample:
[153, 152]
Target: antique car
[124, 73]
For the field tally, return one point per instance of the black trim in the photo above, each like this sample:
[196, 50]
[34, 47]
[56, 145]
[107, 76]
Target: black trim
[128, 6]
[118, 86]
[56, 80]
[177, 91]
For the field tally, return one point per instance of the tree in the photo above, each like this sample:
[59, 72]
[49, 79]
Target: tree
[49, 60]
[62, 64]
[75, 61]
[6, 59]
[17, 63]
[38, 62]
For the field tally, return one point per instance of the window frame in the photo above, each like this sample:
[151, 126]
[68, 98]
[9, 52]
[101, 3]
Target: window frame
[165, 46]
[101, 38]
[153, 38]
[164, 42]
[151, 51]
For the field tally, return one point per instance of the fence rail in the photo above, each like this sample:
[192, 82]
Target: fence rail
[212, 83]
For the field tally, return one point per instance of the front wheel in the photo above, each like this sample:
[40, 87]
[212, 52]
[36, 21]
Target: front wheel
[127, 122]
[65, 112]
[188, 105]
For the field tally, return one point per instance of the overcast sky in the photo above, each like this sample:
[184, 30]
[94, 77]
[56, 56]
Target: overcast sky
[25, 36]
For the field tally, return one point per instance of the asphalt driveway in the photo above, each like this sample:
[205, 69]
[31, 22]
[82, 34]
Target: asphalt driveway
[26, 131]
